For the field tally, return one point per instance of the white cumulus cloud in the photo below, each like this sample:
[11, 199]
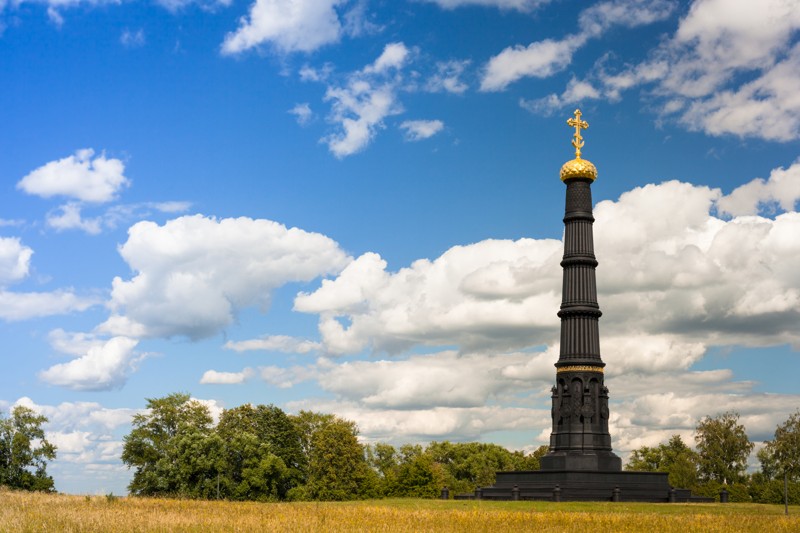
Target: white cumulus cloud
[577, 91]
[24, 305]
[194, 273]
[274, 343]
[393, 57]
[781, 188]
[729, 68]
[539, 60]
[286, 377]
[70, 417]
[208, 5]
[436, 380]
[360, 106]
[226, 378]
[399, 426]
[417, 130]
[73, 343]
[68, 216]
[81, 176]
[542, 59]
[766, 107]
[672, 275]
[71, 215]
[15, 260]
[447, 77]
[519, 5]
[289, 25]
[669, 266]
[492, 293]
[103, 367]
[302, 112]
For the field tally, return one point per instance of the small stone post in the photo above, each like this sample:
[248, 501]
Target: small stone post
[515, 493]
[672, 497]
[615, 494]
[445, 493]
[723, 495]
[557, 494]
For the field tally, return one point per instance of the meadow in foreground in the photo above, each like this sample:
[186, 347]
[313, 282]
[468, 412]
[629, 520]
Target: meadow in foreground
[50, 512]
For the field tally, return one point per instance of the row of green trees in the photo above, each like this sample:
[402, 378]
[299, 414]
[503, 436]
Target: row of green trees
[720, 460]
[261, 453]
[413, 470]
[253, 453]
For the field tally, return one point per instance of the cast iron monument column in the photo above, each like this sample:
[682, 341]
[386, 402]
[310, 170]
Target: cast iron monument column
[580, 465]
[580, 439]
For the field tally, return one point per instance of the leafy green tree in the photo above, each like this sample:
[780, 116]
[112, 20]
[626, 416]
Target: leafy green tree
[474, 464]
[415, 471]
[160, 445]
[772, 491]
[723, 448]
[307, 423]
[255, 441]
[252, 471]
[338, 468]
[782, 454]
[383, 458]
[770, 469]
[418, 476]
[673, 457]
[645, 459]
[24, 451]
[531, 461]
[200, 463]
[280, 432]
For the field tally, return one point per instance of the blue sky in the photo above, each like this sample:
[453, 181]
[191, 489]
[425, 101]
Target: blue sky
[353, 206]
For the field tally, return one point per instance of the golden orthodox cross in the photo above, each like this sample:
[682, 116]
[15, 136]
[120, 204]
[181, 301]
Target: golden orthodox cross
[578, 124]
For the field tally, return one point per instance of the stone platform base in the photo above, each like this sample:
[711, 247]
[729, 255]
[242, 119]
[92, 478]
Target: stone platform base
[573, 485]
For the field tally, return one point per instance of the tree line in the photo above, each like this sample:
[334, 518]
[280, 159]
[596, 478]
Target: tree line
[720, 460]
[261, 453]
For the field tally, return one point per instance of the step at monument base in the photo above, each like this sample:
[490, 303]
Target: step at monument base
[573, 485]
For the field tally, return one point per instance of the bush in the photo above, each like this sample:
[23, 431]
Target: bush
[739, 493]
[772, 492]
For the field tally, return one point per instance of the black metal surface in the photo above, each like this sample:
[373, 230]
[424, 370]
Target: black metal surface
[580, 439]
[580, 464]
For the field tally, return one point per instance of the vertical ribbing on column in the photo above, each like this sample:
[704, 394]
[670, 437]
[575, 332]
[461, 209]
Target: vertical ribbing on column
[579, 307]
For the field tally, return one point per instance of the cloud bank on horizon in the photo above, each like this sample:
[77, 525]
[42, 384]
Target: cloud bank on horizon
[199, 293]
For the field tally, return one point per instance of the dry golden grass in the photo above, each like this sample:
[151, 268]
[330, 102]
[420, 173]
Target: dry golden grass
[57, 513]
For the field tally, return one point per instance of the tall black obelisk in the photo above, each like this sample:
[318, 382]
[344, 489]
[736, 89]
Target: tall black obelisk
[580, 439]
[580, 464]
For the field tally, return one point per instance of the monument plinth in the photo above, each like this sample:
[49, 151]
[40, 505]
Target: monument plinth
[580, 464]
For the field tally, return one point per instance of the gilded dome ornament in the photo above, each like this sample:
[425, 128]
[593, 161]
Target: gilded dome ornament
[578, 168]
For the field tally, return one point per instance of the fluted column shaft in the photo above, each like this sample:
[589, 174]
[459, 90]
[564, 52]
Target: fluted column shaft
[580, 439]
[579, 313]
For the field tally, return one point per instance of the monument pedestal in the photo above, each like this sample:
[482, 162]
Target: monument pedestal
[594, 461]
[582, 485]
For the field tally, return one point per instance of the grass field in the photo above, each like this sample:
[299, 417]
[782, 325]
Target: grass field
[57, 513]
